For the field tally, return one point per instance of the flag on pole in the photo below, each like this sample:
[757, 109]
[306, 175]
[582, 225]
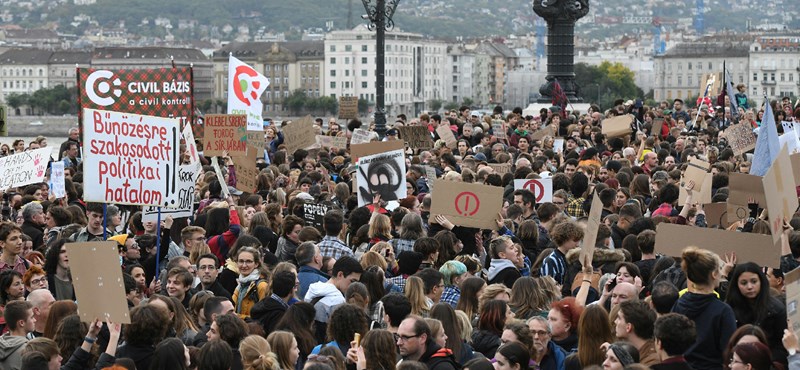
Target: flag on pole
[731, 96]
[245, 86]
[767, 143]
[560, 98]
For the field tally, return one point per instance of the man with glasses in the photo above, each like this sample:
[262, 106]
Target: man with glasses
[192, 237]
[549, 356]
[207, 272]
[415, 343]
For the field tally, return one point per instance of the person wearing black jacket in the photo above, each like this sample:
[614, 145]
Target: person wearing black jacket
[502, 269]
[416, 344]
[207, 272]
[269, 311]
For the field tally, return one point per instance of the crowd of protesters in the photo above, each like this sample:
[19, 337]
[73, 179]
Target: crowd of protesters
[248, 283]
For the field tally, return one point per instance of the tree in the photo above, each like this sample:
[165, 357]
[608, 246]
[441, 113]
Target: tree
[328, 104]
[363, 106]
[16, 100]
[451, 106]
[205, 105]
[606, 82]
[435, 104]
[296, 101]
[468, 102]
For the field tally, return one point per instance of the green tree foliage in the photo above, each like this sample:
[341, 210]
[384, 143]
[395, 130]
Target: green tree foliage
[49, 100]
[363, 106]
[608, 82]
[435, 104]
[296, 101]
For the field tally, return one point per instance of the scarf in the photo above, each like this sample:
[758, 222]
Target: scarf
[245, 282]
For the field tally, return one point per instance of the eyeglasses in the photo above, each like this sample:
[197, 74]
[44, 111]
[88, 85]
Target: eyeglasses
[733, 361]
[404, 338]
[541, 333]
[245, 262]
[39, 281]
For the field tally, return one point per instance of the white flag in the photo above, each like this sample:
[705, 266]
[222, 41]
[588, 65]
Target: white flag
[245, 86]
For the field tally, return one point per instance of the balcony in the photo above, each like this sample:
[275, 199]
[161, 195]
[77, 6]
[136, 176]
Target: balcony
[768, 83]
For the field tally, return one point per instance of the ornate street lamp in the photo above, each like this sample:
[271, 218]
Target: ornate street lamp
[380, 16]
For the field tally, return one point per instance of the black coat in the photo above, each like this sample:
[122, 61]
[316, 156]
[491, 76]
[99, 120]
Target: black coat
[485, 342]
[35, 232]
[268, 312]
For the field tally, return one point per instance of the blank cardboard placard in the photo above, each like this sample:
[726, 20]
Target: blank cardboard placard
[360, 150]
[792, 298]
[617, 126]
[658, 125]
[447, 135]
[779, 187]
[795, 159]
[742, 187]
[592, 226]
[98, 283]
[703, 196]
[299, 134]
[671, 239]
[465, 204]
[539, 135]
[417, 137]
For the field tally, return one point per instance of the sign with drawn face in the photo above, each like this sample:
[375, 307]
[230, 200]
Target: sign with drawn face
[382, 173]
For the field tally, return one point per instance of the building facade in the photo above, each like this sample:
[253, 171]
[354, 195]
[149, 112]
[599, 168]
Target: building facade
[23, 71]
[774, 67]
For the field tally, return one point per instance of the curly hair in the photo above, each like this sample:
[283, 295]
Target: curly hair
[345, 321]
[148, 326]
[69, 335]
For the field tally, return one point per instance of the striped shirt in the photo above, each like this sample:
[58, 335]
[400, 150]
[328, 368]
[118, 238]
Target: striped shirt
[555, 266]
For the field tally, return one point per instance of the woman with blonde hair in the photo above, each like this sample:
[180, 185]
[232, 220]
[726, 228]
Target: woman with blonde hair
[257, 354]
[415, 292]
[380, 229]
[252, 285]
[373, 259]
[285, 348]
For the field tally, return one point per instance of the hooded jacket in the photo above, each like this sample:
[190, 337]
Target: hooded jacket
[715, 323]
[308, 275]
[325, 297]
[485, 342]
[503, 271]
[438, 358]
[11, 351]
[268, 312]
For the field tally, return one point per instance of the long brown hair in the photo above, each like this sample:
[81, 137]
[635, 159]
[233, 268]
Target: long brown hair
[375, 343]
[593, 330]
[58, 311]
[281, 343]
[469, 296]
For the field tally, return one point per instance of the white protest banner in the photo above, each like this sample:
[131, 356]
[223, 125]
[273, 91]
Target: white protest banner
[558, 146]
[360, 136]
[245, 86]
[790, 140]
[182, 200]
[542, 189]
[191, 145]
[382, 173]
[24, 168]
[131, 158]
[220, 178]
[57, 180]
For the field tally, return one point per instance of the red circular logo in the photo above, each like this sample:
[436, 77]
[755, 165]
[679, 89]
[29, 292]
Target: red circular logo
[536, 188]
[467, 203]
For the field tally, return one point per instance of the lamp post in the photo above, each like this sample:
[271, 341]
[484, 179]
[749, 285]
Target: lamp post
[380, 16]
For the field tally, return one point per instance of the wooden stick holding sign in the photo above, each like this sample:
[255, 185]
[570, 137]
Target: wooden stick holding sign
[220, 178]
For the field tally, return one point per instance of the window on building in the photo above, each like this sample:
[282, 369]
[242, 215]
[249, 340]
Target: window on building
[710, 66]
[363, 47]
[347, 84]
[680, 80]
[333, 73]
[348, 48]
[783, 77]
[267, 67]
[364, 84]
[347, 73]
[772, 78]
[333, 60]
[791, 77]
[772, 91]
[364, 73]
[346, 60]
[700, 65]
[333, 84]
[689, 66]
[680, 66]
[764, 77]
[363, 60]
[333, 48]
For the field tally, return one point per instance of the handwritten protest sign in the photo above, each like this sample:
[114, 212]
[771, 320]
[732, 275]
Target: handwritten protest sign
[299, 134]
[417, 137]
[447, 135]
[382, 173]
[741, 138]
[501, 168]
[592, 227]
[246, 171]
[24, 168]
[57, 186]
[558, 146]
[430, 175]
[542, 189]
[360, 150]
[348, 107]
[182, 201]
[361, 136]
[792, 298]
[779, 188]
[672, 239]
[191, 145]
[333, 142]
[314, 213]
[97, 278]
[465, 204]
[225, 132]
[256, 139]
[617, 126]
[499, 129]
[131, 159]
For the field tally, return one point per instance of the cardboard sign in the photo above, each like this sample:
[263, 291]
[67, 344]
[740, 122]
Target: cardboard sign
[24, 168]
[779, 187]
[183, 200]
[361, 136]
[469, 205]
[430, 176]
[246, 171]
[313, 215]
[299, 134]
[417, 137]
[245, 86]
[658, 125]
[736, 212]
[501, 168]
[332, 142]
[672, 239]
[795, 159]
[447, 135]
[57, 180]
[97, 278]
[539, 135]
[256, 139]
[696, 171]
[713, 81]
[220, 177]
[382, 173]
[741, 138]
[348, 107]
[742, 187]
[191, 145]
[225, 132]
[592, 227]
[499, 129]
[542, 189]
[130, 158]
[617, 126]
[716, 214]
[558, 145]
[702, 197]
[792, 280]
[360, 150]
